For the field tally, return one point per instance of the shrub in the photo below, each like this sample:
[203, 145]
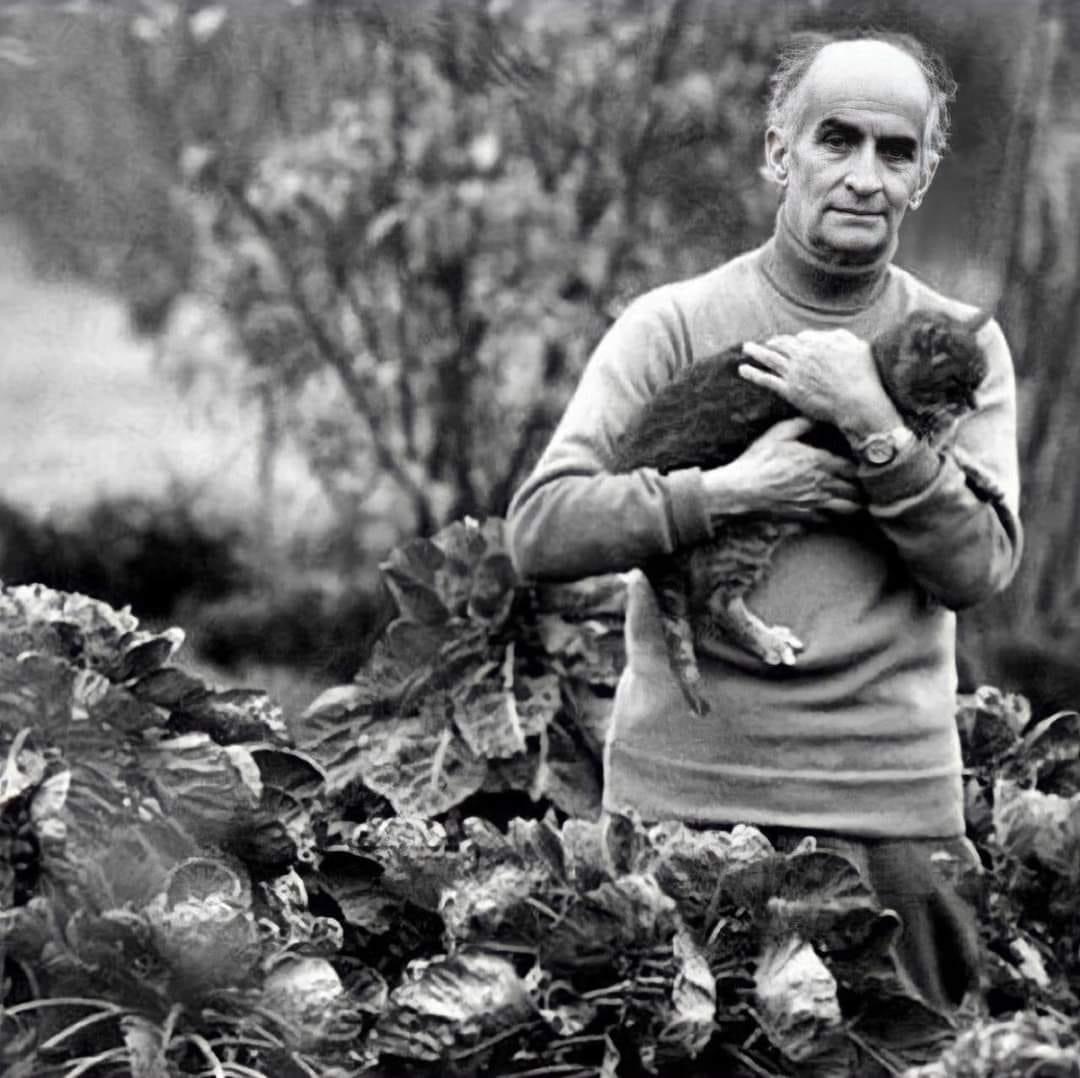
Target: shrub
[302, 624]
[150, 553]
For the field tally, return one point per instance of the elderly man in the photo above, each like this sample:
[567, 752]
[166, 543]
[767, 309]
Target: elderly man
[856, 742]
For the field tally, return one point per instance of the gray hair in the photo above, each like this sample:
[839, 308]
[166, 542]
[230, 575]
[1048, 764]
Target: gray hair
[802, 49]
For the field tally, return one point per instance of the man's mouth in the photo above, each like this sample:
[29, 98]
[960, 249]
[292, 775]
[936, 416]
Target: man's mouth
[857, 213]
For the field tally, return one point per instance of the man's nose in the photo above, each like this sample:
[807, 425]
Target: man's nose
[864, 179]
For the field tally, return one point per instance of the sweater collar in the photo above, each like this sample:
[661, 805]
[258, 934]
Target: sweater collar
[811, 280]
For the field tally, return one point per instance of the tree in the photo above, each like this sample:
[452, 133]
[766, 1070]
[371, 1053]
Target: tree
[1040, 311]
[421, 279]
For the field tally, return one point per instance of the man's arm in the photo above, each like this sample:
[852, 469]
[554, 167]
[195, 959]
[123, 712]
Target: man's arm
[572, 517]
[959, 545]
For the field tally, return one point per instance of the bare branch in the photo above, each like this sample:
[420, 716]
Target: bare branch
[635, 156]
[341, 362]
[406, 399]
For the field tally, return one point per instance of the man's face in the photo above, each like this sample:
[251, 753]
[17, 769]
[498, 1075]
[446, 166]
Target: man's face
[853, 153]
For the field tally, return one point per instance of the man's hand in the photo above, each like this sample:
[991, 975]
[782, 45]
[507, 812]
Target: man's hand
[827, 375]
[782, 477]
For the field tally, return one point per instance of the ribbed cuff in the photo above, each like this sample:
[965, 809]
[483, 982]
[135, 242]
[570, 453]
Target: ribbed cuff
[687, 493]
[909, 474]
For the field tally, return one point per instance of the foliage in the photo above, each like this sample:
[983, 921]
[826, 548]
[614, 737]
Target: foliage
[185, 891]
[1039, 298]
[137, 808]
[479, 684]
[590, 152]
[448, 246]
[1023, 1045]
[433, 212]
[1023, 809]
[303, 622]
[153, 553]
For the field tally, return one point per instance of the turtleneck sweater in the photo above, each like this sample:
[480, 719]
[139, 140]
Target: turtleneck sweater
[859, 736]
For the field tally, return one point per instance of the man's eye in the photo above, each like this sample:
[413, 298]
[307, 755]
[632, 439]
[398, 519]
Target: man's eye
[835, 141]
[897, 153]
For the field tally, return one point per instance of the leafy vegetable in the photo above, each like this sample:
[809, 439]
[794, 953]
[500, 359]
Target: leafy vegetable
[478, 677]
[182, 889]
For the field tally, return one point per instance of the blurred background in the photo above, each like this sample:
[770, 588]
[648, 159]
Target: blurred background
[283, 285]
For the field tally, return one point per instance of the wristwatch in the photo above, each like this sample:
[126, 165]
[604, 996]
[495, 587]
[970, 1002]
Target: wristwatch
[883, 448]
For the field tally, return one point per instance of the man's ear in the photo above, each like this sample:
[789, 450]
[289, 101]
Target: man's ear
[776, 157]
[926, 177]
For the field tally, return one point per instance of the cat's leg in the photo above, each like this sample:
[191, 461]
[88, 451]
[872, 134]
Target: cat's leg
[732, 619]
[723, 573]
[668, 579]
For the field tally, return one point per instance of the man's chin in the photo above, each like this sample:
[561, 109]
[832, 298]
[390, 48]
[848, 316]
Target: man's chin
[857, 241]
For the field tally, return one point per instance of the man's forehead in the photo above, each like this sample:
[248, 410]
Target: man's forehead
[873, 77]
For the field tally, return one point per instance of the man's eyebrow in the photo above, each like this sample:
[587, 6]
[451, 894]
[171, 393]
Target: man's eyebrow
[831, 125]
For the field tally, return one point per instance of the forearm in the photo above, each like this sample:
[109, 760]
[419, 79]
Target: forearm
[960, 546]
[567, 522]
[573, 517]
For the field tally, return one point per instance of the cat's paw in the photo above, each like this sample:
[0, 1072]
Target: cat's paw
[737, 624]
[776, 644]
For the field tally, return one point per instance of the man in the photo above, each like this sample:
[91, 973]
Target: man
[857, 741]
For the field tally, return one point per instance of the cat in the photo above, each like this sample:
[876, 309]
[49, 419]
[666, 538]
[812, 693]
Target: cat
[930, 366]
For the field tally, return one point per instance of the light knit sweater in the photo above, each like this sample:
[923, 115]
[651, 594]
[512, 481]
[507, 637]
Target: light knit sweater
[859, 737]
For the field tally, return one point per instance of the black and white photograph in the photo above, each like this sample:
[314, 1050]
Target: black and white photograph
[539, 539]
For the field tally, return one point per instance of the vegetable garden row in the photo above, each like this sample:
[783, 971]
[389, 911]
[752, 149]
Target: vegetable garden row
[414, 875]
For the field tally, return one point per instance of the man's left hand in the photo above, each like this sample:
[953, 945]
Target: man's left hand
[827, 375]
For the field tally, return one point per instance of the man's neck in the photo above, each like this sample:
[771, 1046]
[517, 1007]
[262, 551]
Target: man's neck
[819, 279]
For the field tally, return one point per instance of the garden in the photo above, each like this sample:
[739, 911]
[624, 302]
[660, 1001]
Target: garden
[299, 778]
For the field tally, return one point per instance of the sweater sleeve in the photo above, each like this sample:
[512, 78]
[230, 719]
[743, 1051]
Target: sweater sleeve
[960, 546]
[572, 517]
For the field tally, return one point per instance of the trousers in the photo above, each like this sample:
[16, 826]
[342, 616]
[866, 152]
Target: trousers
[931, 883]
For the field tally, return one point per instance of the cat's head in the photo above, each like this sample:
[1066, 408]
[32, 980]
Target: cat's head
[933, 371]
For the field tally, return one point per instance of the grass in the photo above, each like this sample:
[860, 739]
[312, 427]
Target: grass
[86, 410]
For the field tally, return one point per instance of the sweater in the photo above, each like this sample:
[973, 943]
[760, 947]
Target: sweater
[859, 737]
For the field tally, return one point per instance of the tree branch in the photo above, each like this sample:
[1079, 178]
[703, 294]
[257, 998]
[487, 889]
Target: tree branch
[345, 285]
[406, 399]
[634, 158]
[341, 362]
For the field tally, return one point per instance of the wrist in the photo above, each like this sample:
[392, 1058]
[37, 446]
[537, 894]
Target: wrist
[858, 427]
[725, 493]
[883, 447]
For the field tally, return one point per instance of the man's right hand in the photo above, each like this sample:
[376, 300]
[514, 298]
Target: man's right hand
[781, 477]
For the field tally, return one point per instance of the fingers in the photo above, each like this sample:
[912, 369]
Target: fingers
[761, 378]
[843, 494]
[787, 430]
[813, 457]
[831, 464]
[842, 506]
[768, 356]
[819, 514]
[833, 488]
[784, 341]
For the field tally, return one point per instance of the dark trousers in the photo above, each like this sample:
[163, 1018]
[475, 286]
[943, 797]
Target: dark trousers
[938, 950]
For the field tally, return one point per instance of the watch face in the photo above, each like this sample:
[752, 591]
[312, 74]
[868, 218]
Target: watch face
[879, 450]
